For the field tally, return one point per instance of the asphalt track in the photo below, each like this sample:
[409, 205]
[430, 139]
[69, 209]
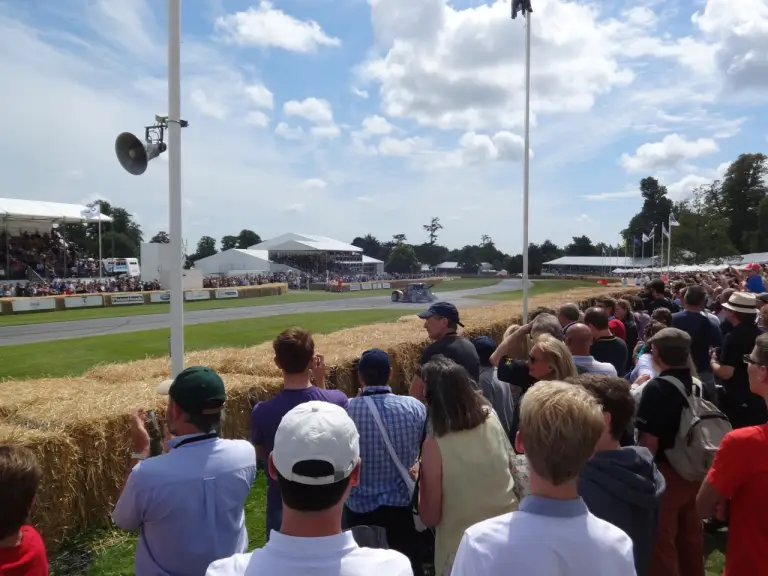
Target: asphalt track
[46, 332]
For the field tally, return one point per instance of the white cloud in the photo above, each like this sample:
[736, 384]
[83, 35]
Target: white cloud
[260, 96]
[672, 150]
[681, 189]
[612, 195]
[287, 132]
[402, 147]
[739, 32]
[330, 131]
[481, 148]
[463, 68]
[314, 184]
[313, 109]
[583, 218]
[364, 199]
[207, 106]
[256, 118]
[360, 93]
[376, 126]
[268, 27]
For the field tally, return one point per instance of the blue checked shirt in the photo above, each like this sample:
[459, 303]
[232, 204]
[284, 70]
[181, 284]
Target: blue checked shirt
[380, 482]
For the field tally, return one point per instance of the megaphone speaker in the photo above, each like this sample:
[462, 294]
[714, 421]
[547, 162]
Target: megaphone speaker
[134, 155]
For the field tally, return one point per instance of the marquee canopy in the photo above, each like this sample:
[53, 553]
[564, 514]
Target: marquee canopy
[34, 216]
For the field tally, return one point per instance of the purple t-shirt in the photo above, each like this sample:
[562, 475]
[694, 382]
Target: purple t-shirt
[266, 417]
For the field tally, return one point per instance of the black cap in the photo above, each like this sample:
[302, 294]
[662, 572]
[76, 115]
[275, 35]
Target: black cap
[444, 310]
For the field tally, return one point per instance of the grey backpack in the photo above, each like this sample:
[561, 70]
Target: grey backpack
[702, 428]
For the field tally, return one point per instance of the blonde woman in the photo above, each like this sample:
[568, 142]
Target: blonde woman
[550, 359]
[519, 348]
[465, 472]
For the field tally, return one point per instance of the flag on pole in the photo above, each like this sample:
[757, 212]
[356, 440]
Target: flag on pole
[638, 242]
[523, 6]
[673, 221]
[92, 212]
[653, 232]
[646, 238]
[664, 229]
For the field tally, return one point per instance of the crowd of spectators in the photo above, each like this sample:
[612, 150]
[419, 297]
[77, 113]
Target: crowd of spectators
[550, 453]
[300, 280]
[43, 253]
[60, 287]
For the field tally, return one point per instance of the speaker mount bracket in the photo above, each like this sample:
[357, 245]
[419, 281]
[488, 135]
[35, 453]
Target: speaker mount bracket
[156, 133]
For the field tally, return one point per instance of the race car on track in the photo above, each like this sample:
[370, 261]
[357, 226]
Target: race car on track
[417, 292]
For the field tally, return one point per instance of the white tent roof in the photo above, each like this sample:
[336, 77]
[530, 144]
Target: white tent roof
[598, 261]
[292, 242]
[32, 210]
[447, 266]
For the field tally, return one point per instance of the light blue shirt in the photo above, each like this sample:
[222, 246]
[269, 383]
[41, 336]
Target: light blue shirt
[188, 505]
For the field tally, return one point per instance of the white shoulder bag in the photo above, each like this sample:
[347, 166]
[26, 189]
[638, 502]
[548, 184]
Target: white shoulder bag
[410, 484]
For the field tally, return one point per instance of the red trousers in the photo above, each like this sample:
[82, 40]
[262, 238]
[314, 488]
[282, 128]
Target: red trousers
[678, 549]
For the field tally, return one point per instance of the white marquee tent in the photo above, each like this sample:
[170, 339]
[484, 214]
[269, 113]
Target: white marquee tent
[238, 261]
[292, 242]
[34, 216]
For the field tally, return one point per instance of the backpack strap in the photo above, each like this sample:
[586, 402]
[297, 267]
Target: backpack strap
[680, 388]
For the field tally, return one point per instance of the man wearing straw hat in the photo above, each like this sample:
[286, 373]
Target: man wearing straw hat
[188, 504]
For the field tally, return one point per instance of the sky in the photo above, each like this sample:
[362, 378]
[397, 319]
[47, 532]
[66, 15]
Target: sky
[347, 117]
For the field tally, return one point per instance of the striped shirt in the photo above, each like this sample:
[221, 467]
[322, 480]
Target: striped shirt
[380, 482]
[589, 364]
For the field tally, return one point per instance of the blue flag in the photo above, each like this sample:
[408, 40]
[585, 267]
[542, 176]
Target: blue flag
[523, 6]
[638, 242]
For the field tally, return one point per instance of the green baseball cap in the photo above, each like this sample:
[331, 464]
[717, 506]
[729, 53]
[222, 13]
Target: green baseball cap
[196, 390]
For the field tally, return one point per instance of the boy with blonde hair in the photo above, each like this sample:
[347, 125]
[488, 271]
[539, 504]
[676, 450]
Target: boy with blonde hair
[553, 532]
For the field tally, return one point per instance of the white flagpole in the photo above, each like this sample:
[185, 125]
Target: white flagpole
[526, 161]
[669, 250]
[661, 254]
[101, 262]
[176, 266]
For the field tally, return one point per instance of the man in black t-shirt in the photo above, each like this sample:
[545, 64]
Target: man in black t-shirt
[606, 346]
[658, 298]
[441, 322]
[678, 548]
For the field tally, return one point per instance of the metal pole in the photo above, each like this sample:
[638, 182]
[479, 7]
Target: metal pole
[101, 262]
[175, 266]
[526, 161]
[669, 251]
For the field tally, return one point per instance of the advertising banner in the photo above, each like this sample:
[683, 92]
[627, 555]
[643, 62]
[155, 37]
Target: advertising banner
[127, 299]
[354, 287]
[227, 293]
[385, 285]
[33, 304]
[367, 286]
[193, 295]
[84, 301]
[160, 297]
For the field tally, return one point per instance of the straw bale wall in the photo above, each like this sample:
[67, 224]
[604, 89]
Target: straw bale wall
[78, 427]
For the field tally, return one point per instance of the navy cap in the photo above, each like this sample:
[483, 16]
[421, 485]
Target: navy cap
[485, 347]
[444, 310]
[375, 367]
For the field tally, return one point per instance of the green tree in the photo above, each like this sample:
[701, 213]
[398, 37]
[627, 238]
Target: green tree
[655, 211]
[432, 254]
[120, 238]
[402, 260]
[759, 238]
[742, 189]
[550, 251]
[702, 234]
[469, 259]
[228, 242]
[432, 228]
[206, 246]
[160, 238]
[581, 246]
[370, 245]
[247, 238]
[399, 238]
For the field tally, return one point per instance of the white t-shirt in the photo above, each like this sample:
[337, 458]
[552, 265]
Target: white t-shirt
[545, 537]
[327, 556]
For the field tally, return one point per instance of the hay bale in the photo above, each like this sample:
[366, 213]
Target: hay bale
[54, 513]
[262, 290]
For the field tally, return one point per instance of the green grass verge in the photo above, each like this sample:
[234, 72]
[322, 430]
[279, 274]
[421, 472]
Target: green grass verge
[111, 552]
[539, 287]
[77, 355]
[295, 296]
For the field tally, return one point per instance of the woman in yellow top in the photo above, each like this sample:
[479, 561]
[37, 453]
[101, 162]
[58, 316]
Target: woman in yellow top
[465, 463]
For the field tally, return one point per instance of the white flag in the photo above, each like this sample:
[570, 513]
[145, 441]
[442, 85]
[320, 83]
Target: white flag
[646, 238]
[92, 213]
[664, 230]
[650, 236]
[673, 221]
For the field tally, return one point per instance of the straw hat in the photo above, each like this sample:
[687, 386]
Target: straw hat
[744, 302]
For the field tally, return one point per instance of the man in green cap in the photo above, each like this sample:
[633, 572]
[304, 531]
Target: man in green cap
[188, 504]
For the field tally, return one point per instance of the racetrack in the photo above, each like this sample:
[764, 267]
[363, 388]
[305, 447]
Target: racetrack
[26, 334]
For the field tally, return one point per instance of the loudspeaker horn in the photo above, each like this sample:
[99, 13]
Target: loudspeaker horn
[134, 155]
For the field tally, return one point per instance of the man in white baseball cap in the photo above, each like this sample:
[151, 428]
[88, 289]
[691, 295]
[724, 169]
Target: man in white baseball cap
[316, 462]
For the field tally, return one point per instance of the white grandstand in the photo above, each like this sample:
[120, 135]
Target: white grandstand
[291, 251]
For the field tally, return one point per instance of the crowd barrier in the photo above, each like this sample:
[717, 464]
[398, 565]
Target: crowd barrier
[56, 303]
[78, 427]
[377, 284]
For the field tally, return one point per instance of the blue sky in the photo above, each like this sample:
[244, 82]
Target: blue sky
[349, 116]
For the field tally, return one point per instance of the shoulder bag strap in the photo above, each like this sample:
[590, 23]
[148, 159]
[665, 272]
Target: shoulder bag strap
[409, 483]
[680, 388]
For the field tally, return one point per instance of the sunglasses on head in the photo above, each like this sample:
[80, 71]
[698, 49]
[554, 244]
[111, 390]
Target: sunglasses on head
[749, 360]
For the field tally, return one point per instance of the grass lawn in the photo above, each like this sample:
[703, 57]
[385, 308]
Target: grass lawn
[75, 356]
[539, 287]
[110, 552]
[292, 297]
